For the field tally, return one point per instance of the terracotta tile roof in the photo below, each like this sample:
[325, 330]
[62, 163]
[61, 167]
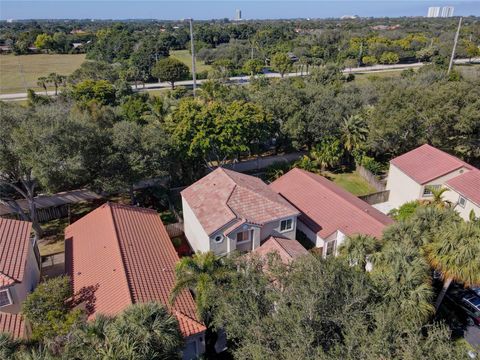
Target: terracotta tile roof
[327, 208]
[14, 243]
[427, 163]
[126, 254]
[12, 324]
[287, 249]
[468, 185]
[225, 195]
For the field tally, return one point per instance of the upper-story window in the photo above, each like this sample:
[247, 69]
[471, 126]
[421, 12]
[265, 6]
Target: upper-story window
[427, 191]
[243, 236]
[330, 247]
[462, 201]
[5, 298]
[286, 225]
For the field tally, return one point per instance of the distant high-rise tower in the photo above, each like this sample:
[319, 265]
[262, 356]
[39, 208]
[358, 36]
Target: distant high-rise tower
[433, 11]
[447, 11]
[238, 14]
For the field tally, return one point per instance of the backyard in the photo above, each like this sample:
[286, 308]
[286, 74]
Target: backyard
[18, 73]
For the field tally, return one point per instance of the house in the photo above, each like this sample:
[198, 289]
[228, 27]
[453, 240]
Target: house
[414, 174]
[122, 255]
[19, 273]
[464, 193]
[19, 264]
[328, 213]
[287, 249]
[226, 211]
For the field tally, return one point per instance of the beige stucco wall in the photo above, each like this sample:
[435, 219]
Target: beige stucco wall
[404, 189]
[20, 291]
[464, 212]
[196, 235]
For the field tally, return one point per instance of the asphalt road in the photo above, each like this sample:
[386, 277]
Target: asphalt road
[472, 335]
[245, 79]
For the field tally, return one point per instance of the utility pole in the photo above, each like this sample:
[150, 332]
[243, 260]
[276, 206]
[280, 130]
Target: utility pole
[194, 74]
[454, 46]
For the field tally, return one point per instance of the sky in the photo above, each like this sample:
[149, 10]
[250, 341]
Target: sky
[199, 9]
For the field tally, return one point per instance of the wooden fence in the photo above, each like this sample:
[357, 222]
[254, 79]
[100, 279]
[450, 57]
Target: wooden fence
[371, 178]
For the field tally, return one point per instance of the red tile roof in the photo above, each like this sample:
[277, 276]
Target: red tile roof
[427, 163]
[287, 249]
[125, 253]
[468, 185]
[225, 195]
[14, 243]
[12, 324]
[327, 208]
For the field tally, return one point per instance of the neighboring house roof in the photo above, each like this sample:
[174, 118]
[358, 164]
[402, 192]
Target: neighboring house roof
[12, 324]
[287, 249]
[14, 243]
[427, 163]
[327, 208]
[467, 185]
[125, 255]
[225, 196]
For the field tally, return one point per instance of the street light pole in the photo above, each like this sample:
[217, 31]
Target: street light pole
[450, 65]
[194, 74]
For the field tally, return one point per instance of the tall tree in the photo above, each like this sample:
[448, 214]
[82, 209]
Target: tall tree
[170, 70]
[281, 63]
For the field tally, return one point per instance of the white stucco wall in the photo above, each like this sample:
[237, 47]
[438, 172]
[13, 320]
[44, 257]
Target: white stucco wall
[20, 291]
[402, 188]
[196, 235]
[464, 212]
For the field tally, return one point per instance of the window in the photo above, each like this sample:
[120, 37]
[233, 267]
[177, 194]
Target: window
[462, 201]
[218, 239]
[243, 236]
[427, 191]
[5, 298]
[286, 225]
[330, 250]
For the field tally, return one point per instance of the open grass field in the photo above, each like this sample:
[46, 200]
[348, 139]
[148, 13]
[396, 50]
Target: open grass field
[352, 182]
[18, 73]
[185, 57]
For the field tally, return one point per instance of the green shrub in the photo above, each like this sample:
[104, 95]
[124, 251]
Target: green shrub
[405, 211]
[372, 165]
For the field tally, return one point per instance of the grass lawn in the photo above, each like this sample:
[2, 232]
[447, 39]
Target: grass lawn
[20, 72]
[471, 71]
[352, 182]
[185, 57]
[365, 77]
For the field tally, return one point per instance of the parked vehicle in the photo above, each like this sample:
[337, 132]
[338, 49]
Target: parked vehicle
[466, 303]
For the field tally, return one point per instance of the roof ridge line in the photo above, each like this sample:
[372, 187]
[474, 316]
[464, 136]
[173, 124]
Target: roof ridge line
[349, 203]
[283, 247]
[121, 251]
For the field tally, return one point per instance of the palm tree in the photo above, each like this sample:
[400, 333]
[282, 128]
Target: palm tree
[43, 81]
[404, 276]
[455, 253]
[354, 132]
[356, 250]
[199, 274]
[327, 154]
[437, 198]
[56, 80]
